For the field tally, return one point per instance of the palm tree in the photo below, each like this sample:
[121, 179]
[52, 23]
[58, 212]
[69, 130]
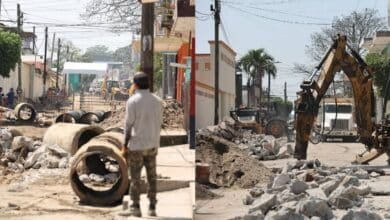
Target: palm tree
[256, 63]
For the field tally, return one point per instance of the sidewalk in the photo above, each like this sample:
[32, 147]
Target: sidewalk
[176, 163]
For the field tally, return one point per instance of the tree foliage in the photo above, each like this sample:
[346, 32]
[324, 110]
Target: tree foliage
[256, 63]
[98, 53]
[158, 71]
[10, 52]
[380, 65]
[120, 14]
[356, 26]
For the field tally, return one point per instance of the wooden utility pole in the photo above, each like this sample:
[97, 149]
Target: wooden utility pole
[147, 41]
[285, 92]
[217, 21]
[269, 91]
[19, 89]
[58, 61]
[45, 62]
[52, 49]
[33, 49]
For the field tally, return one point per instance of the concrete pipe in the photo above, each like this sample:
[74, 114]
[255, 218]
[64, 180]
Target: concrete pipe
[108, 145]
[70, 117]
[92, 117]
[70, 136]
[25, 112]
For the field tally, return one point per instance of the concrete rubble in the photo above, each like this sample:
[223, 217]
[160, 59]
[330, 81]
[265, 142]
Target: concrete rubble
[329, 193]
[258, 146]
[20, 153]
[173, 116]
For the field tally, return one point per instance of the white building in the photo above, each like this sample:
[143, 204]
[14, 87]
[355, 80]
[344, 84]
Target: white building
[204, 68]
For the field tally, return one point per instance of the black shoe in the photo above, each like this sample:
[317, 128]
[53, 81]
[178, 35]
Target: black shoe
[135, 210]
[152, 210]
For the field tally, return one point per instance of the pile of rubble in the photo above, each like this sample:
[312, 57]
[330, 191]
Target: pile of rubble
[18, 153]
[229, 164]
[308, 189]
[173, 116]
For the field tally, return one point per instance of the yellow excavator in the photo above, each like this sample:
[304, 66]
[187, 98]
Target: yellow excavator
[341, 57]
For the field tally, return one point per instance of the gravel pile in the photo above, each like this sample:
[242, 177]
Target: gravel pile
[310, 190]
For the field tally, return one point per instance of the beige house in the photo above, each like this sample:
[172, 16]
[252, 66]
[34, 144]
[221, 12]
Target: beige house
[204, 68]
[32, 79]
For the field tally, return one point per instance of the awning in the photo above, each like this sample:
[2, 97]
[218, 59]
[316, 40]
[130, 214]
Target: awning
[85, 68]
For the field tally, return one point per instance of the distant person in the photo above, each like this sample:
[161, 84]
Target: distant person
[10, 98]
[142, 140]
[1, 96]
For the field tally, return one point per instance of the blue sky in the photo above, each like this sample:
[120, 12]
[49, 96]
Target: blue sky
[248, 26]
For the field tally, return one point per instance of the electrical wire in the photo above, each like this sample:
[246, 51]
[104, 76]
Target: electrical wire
[277, 19]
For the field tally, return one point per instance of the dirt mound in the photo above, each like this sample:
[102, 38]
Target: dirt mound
[173, 116]
[204, 192]
[229, 165]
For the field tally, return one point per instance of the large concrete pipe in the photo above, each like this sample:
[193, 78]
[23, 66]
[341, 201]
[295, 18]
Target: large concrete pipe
[25, 112]
[70, 117]
[92, 117]
[107, 144]
[70, 136]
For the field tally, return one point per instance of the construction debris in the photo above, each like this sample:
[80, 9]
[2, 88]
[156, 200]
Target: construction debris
[326, 194]
[173, 116]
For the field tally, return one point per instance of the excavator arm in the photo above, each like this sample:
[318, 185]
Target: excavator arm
[339, 57]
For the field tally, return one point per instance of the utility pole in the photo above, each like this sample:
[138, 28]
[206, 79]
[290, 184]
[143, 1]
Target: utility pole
[19, 89]
[354, 43]
[285, 92]
[217, 21]
[45, 62]
[33, 49]
[147, 41]
[192, 97]
[58, 62]
[0, 9]
[52, 49]
[269, 91]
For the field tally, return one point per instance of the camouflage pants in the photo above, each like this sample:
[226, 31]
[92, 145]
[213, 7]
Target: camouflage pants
[136, 160]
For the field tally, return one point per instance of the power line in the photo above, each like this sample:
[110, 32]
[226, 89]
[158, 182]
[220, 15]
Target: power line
[224, 32]
[279, 20]
[280, 12]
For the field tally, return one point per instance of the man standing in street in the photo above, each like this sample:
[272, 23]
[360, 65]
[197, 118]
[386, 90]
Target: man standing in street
[10, 98]
[142, 140]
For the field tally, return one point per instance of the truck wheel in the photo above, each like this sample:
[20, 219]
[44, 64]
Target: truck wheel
[276, 128]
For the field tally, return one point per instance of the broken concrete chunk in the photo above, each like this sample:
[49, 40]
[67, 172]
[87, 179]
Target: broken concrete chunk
[96, 178]
[248, 200]
[280, 180]
[84, 178]
[316, 193]
[298, 187]
[374, 174]
[63, 163]
[256, 192]
[22, 142]
[379, 188]
[347, 197]
[266, 202]
[314, 207]
[57, 150]
[362, 214]
[284, 214]
[254, 216]
[361, 174]
[330, 186]
[32, 158]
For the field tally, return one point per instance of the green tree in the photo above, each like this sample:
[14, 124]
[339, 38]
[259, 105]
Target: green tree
[380, 65]
[256, 63]
[158, 71]
[356, 26]
[10, 52]
[98, 53]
